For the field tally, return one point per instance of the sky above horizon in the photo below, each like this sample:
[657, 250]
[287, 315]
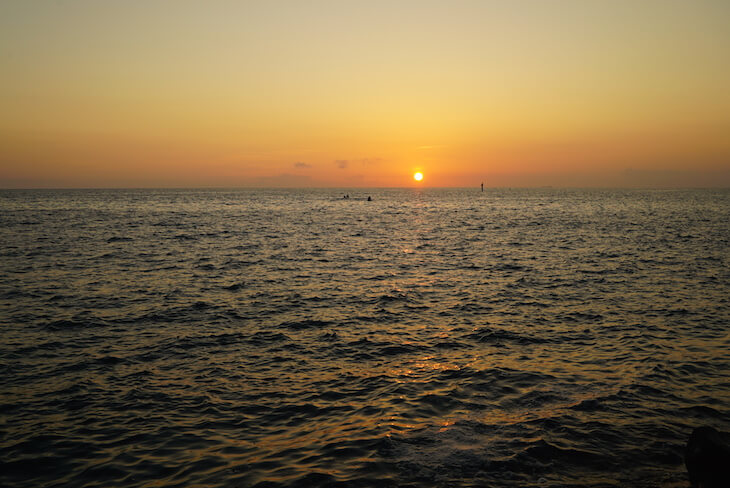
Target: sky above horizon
[354, 93]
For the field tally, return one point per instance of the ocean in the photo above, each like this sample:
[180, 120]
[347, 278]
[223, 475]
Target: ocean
[426, 338]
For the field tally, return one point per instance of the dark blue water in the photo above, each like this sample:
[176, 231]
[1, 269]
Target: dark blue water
[441, 338]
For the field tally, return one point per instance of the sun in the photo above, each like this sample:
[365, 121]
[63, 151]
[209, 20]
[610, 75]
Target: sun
[418, 176]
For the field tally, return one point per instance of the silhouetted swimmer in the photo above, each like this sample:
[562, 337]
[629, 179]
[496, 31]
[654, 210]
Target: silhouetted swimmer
[369, 199]
[707, 457]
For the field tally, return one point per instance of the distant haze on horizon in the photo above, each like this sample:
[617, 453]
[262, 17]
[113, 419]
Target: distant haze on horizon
[363, 94]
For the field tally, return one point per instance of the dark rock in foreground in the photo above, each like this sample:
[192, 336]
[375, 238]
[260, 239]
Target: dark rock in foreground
[708, 458]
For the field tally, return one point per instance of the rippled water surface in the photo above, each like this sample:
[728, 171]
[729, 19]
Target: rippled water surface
[440, 338]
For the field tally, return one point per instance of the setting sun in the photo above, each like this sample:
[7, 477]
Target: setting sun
[418, 176]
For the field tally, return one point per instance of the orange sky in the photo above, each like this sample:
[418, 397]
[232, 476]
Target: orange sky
[351, 93]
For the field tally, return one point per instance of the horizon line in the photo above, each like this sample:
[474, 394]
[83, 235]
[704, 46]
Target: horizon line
[477, 188]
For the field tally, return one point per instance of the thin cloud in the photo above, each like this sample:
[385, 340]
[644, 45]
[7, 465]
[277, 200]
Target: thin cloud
[345, 163]
[300, 164]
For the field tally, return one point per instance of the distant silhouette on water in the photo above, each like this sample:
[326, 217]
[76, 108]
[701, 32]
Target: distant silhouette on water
[369, 199]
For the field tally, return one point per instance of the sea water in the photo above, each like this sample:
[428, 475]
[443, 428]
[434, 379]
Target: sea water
[435, 337]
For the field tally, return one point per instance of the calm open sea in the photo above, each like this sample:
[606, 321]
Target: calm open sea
[435, 338]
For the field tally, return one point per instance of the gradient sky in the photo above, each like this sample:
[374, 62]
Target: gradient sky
[363, 93]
